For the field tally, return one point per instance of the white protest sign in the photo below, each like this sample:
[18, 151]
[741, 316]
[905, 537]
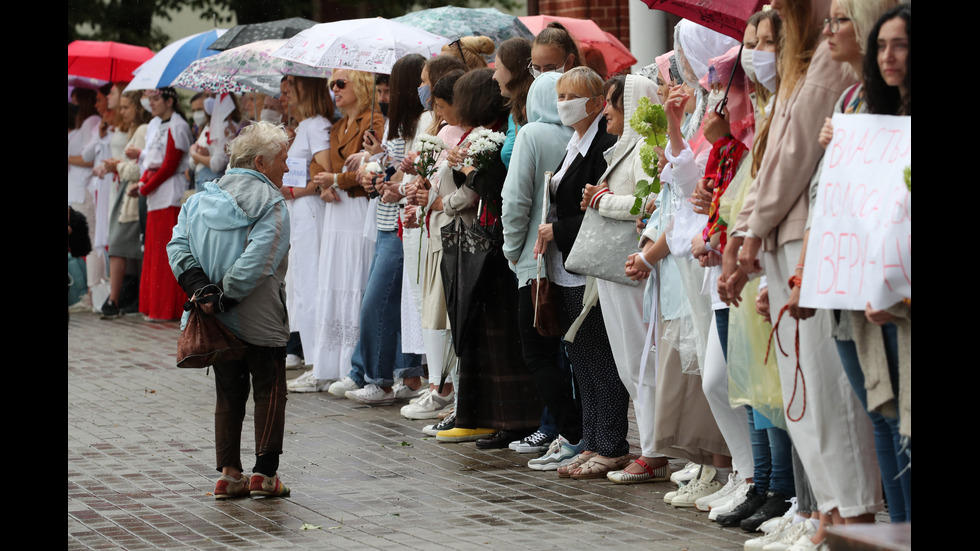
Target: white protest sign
[860, 245]
[296, 177]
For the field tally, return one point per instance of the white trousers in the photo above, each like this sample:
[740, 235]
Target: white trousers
[732, 422]
[622, 311]
[834, 436]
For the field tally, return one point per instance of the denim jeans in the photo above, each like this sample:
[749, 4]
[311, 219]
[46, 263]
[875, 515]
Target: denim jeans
[893, 460]
[772, 452]
[377, 358]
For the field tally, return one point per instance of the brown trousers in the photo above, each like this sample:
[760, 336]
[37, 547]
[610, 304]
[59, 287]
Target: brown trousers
[266, 366]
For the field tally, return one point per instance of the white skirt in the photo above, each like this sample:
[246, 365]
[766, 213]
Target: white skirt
[412, 277]
[345, 260]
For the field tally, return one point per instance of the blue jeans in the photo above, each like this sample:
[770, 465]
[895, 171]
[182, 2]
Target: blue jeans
[378, 358]
[892, 458]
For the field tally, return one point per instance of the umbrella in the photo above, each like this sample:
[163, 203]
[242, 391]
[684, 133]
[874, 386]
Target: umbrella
[196, 77]
[239, 35]
[106, 61]
[725, 16]
[466, 252]
[245, 68]
[454, 22]
[164, 67]
[615, 53]
[372, 45]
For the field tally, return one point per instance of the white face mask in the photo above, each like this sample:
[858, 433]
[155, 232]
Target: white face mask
[747, 65]
[208, 105]
[572, 110]
[145, 102]
[765, 69]
[270, 116]
[714, 97]
[199, 117]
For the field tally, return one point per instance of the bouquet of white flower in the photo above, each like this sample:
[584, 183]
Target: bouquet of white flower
[429, 149]
[481, 145]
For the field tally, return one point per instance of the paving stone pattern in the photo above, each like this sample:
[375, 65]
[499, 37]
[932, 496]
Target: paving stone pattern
[140, 455]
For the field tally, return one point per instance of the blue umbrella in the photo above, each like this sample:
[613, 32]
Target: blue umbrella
[164, 67]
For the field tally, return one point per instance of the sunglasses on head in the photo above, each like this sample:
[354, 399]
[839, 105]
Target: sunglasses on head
[339, 83]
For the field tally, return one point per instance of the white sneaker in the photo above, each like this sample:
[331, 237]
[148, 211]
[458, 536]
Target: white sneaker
[560, 453]
[294, 362]
[724, 494]
[340, 388]
[307, 382]
[774, 535]
[686, 474]
[705, 485]
[806, 544]
[405, 392]
[804, 529]
[372, 395]
[428, 406]
[734, 500]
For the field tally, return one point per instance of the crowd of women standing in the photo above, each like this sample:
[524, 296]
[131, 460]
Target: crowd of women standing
[480, 226]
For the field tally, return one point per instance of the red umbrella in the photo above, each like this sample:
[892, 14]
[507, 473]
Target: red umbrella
[616, 55]
[725, 16]
[109, 61]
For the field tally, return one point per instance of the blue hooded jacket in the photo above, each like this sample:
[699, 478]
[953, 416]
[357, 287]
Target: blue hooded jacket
[237, 231]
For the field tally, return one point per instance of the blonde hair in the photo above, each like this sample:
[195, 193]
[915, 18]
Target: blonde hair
[474, 50]
[864, 14]
[582, 78]
[363, 84]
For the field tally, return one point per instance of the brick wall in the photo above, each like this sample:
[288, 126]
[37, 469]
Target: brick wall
[611, 15]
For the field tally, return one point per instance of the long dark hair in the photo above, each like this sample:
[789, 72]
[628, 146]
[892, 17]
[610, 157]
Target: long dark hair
[515, 54]
[405, 108]
[477, 100]
[884, 99]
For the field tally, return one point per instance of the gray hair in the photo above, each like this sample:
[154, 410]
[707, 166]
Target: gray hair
[257, 139]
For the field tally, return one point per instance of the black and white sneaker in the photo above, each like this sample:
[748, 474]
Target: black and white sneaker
[535, 443]
[448, 423]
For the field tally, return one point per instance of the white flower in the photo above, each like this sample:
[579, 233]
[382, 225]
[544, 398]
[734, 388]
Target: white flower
[373, 167]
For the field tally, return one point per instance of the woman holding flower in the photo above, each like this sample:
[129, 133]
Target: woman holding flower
[496, 395]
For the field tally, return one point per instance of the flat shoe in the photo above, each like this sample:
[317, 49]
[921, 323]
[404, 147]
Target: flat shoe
[580, 459]
[649, 474]
[599, 466]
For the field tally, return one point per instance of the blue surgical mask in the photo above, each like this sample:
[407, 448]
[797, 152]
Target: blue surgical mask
[425, 96]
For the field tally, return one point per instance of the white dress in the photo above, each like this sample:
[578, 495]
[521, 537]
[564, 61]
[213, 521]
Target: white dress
[346, 251]
[306, 223]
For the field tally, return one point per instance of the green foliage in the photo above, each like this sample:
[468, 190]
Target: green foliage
[908, 177]
[650, 122]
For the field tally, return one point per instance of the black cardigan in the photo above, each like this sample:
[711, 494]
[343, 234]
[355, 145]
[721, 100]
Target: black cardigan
[568, 200]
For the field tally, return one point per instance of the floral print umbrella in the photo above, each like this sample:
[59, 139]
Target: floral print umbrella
[245, 68]
[455, 22]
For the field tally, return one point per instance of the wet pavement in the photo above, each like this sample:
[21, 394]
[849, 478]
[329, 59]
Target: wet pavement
[140, 454]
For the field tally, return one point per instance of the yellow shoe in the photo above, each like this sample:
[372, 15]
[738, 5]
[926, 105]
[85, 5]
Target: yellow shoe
[462, 435]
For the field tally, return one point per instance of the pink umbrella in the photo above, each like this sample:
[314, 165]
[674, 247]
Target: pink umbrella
[109, 61]
[588, 34]
[725, 16]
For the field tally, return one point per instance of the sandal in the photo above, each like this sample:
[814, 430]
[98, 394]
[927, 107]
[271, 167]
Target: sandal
[566, 470]
[599, 466]
[649, 474]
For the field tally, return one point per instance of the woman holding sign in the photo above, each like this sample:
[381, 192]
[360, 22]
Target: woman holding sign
[857, 336]
[824, 420]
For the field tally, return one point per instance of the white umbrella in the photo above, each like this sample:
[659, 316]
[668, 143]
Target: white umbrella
[372, 45]
[161, 69]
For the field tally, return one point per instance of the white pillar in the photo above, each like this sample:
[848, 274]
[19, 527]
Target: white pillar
[648, 37]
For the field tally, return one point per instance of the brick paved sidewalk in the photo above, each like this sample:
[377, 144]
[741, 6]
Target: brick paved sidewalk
[140, 454]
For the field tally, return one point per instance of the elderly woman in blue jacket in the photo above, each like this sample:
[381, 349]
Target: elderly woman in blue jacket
[234, 237]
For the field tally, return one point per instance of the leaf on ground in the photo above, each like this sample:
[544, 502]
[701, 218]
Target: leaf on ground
[406, 444]
[308, 526]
